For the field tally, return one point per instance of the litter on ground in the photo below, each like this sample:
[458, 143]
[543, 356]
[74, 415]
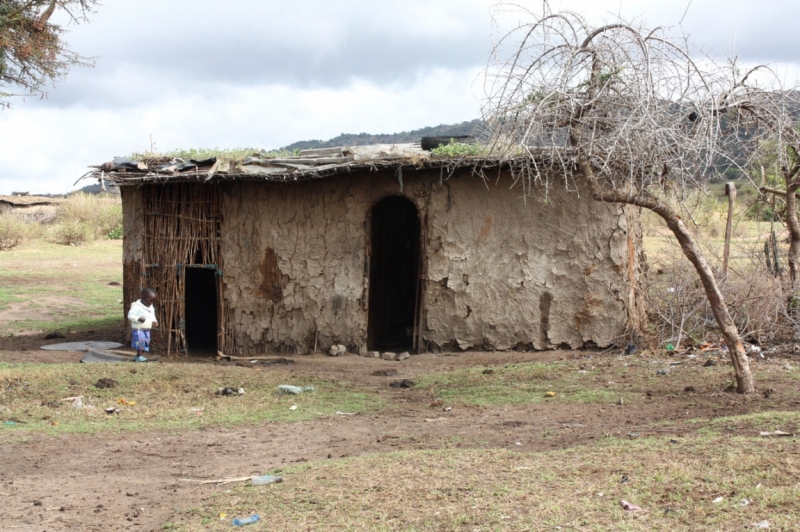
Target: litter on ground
[294, 390]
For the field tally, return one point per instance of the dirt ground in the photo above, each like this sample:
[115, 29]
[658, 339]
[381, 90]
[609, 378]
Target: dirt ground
[133, 481]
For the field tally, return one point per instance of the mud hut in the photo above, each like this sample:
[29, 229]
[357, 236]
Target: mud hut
[30, 208]
[374, 247]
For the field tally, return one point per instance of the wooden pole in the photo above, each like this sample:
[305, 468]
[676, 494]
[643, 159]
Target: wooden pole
[730, 191]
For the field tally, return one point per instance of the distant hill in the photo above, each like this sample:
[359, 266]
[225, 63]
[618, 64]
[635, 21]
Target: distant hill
[362, 139]
[96, 189]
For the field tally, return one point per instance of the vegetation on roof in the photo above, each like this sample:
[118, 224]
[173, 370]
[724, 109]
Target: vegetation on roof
[231, 155]
[237, 155]
[460, 149]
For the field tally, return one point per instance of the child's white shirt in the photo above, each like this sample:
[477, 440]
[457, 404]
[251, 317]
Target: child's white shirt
[140, 310]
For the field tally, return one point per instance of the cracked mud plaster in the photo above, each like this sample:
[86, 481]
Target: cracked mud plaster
[295, 263]
[540, 275]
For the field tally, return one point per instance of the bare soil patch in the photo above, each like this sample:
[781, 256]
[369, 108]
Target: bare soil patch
[25, 347]
[41, 308]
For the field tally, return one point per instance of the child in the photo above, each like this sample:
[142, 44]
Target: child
[142, 317]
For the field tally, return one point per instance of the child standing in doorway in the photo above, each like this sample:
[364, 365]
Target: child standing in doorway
[142, 316]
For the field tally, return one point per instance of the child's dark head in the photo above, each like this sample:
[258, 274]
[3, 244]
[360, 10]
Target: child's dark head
[148, 296]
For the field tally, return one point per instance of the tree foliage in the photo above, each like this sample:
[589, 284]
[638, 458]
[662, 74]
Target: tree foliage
[33, 53]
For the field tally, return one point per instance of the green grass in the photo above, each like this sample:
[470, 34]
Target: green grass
[37, 271]
[523, 383]
[576, 489]
[167, 396]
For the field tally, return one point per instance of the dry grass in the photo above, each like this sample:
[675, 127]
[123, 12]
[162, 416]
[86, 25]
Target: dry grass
[575, 489]
[83, 218]
[677, 303]
[12, 231]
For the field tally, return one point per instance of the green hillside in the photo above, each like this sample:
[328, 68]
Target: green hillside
[361, 139]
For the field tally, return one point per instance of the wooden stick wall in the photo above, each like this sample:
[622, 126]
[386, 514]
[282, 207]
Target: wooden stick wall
[181, 227]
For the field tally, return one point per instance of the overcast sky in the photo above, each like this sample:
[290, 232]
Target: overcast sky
[205, 73]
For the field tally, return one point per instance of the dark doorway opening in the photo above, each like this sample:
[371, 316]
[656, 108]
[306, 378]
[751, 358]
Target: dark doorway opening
[201, 311]
[394, 274]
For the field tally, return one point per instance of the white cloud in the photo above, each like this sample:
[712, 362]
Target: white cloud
[265, 74]
[47, 149]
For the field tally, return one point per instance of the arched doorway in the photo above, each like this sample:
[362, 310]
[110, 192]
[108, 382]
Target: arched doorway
[393, 274]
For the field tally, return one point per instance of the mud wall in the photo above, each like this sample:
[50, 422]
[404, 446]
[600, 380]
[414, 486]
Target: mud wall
[499, 272]
[503, 273]
[132, 234]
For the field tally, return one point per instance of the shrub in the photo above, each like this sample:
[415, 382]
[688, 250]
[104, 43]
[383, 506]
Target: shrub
[84, 217]
[460, 149]
[72, 233]
[12, 231]
[116, 233]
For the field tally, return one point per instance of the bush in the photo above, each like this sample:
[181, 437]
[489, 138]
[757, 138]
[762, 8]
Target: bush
[116, 233]
[12, 231]
[71, 233]
[84, 217]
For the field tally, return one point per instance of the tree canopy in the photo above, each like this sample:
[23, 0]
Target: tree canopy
[33, 53]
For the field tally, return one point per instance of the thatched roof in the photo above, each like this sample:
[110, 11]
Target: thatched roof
[27, 201]
[307, 165]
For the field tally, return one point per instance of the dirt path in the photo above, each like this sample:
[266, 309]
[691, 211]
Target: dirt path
[133, 481]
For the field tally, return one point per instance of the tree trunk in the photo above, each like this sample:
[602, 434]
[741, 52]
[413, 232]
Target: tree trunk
[793, 225]
[744, 377]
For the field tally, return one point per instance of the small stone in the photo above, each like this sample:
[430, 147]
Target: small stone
[403, 356]
[689, 389]
[373, 354]
[342, 350]
[389, 356]
[334, 351]
[105, 383]
[384, 372]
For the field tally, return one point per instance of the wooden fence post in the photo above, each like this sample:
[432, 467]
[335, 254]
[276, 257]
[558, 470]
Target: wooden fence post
[730, 191]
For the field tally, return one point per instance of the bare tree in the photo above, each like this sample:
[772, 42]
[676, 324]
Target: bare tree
[32, 50]
[631, 111]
